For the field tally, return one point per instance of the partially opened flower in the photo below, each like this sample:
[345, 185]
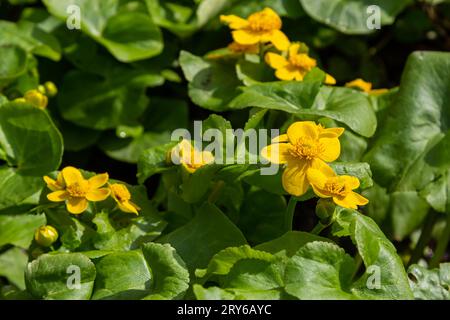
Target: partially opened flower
[295, 67]
[77, 191]
[36, 98]
[327, 184]
[122, 196]
[190, 158]
[365, 87]
[306, 145]
[260, 27]
[46, 235]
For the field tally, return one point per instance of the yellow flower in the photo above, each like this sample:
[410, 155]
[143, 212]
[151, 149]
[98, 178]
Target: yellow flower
[77, 191]
[305, 145]
[365, 86]
[240, 48]
[46, 236]
[295, 66]
[122, 196]
[50, 89]
[326, 184]
[260, 27]
[191, 159]
[36, 98]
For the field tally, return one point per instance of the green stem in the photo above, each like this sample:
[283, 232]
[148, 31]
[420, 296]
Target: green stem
[441, 245]
[290, 213]
[215, 191]
[318, 228]
[425, 237]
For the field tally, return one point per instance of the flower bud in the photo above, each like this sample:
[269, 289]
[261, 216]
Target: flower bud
[46, 236]
[36, 98]
[50, 89]
[325, 210]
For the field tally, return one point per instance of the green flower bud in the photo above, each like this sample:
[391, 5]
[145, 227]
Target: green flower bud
[46, 236]
[41, 89]
[50, 89]
[325, 210]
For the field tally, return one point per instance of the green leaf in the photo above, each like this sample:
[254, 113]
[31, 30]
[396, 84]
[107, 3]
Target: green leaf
[127, 33]
[15, 62]
[430, 284]
[320, 270]
[209, 226]
[48, 277]
[153, 161]
[290, 242]
[212, 84]
[361, 170]
[19, 230]
[352, 16]
[12, 266]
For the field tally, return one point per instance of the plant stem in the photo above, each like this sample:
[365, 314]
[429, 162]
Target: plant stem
[290, 213]
[215, 191]
[441, 245]
[318, 228]
[425, 237]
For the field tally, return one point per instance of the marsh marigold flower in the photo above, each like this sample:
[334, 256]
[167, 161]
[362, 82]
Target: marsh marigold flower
[190, 158]
[260, 27]
[46, 236]
[120, 193]
[76, 191]
[365, 87]
[36, 98]
[305, 145]
[295, 67]
[327, 184]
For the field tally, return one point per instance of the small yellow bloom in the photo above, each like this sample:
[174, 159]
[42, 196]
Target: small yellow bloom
[240, 48]
[326, 184]
[46, 236]
[71, 187]
[305, 145]
[260, 27]
[50, 89]
[122, 196]
[190, 158]
[330, 80]
[36, 98]
[365, 87]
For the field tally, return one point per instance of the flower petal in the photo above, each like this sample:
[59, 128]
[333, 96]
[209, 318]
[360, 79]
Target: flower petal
[77, 205]
[316, 178]
[277, 153]
[275, 60]
[294, 178]
[246, 37]
[286, 73]
[279, 40]
[331, 149]
[351, 201]
[127, 206]
[280, 138]
[98, 180]
[234, 22]
[331, 132]
[302, 129]
[72, 175]
[98, 194]
[58, 196]
[293, 49]
[52, 184]
[323, 167]
[330, 80]
[352, 182]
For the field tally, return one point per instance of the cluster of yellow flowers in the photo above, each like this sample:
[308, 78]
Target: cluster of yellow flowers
[189, 157]
[39, 97]
[306, 149]
[265, 27]
[72, 188]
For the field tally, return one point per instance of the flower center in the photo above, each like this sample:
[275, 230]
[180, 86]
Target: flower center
[306, 148]
[78, 189]
[121, 193]
[302, 61]
[336, 187]
[262, 21]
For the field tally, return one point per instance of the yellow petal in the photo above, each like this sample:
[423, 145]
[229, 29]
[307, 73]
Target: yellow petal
[302, 129]
[275, 60]
[279, 40]
[299, 75]
[360, 84]
[58, 196]
[280, 138]
[331, 132]
[316, 178]
[331, 149]
[352, 182]
[98, 194]
[323, 167]
[72, 175]
[351, 201]
[286, 73]
[294, 178]
[76, 205]
[52, 184]
[277, 153]
[377, 92]
[234, 22]
[293, 49]
[330, 80]
[127, 206]
[60, 179]
[98, 180]
[246, 37]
